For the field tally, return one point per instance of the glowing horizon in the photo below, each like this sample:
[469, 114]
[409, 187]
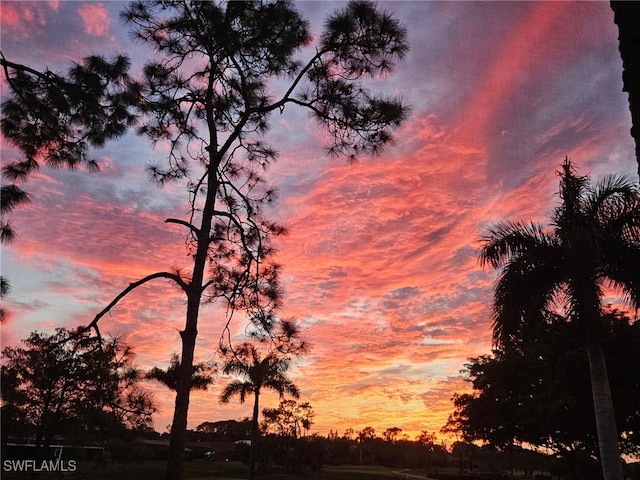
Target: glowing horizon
[380, 266]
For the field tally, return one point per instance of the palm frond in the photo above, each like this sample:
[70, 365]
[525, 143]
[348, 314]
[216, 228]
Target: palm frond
[509, 240]
[258, 372]
[236, 388]
[622, 272]
[611, 198]
[524, 292]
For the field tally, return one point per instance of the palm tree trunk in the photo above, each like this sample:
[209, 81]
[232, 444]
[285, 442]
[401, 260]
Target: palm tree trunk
[604, 413]
[254, 435]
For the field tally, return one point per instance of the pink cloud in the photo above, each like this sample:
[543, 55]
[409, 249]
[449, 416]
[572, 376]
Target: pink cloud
[10, 16]
[95, 18]
[23, 19]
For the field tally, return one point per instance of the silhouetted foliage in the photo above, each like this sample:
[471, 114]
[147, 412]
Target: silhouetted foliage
[536, 396]
[593, 241]
[201, 378]
[5, 288]
[288, 419]
[284, 443]
[229, 430]
[55, 119]
[391, 434]
[72, 384]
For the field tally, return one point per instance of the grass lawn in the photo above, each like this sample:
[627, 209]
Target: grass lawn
[235, 470]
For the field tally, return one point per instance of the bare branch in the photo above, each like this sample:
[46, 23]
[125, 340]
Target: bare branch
[132, 286]
[184, 223]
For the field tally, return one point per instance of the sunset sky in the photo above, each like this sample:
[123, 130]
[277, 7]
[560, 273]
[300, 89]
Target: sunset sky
[380, 265]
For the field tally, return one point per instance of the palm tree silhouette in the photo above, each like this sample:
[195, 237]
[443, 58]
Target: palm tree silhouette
[593, 242]
[258, 373]
[201, 377]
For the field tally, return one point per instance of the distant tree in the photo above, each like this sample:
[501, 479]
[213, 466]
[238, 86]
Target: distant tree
[434, 454]
[72, 383]
[288, 419]
[218, 73]
[426, 439]
[391, 434]
[229, 430]
[594, 239]
[284, 438]
[366, 435]
[200, 380]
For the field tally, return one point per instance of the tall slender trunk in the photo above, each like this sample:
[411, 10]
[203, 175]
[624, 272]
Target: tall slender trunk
[175, 467]
[254, 435]
[605, 417]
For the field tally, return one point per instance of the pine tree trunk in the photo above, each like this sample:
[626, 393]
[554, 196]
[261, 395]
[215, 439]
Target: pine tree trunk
[175, 467]
[605, 417]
